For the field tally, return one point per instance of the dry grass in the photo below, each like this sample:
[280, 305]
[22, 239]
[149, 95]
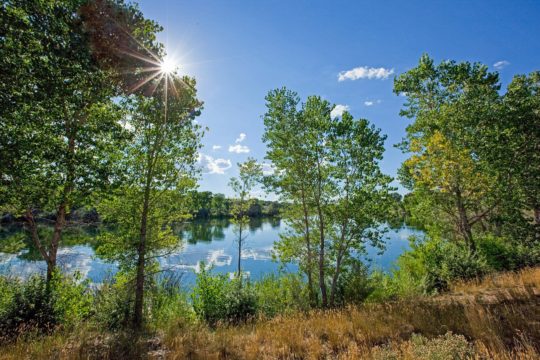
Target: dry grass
[526, 278]
[497, 318]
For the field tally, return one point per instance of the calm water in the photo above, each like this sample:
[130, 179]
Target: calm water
[211, 241]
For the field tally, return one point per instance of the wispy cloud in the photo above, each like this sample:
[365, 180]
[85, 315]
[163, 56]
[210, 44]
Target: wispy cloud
[239, 149]
[240, 138]
[499, 65]
[212, 165]
[338, 110]
[365, 72]
[371, 102]
[216, 147]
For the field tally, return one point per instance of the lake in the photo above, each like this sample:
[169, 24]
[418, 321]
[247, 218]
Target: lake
[212, 241]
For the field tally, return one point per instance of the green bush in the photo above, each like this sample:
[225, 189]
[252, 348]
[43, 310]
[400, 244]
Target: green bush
[355, 285]
[35, 305]
[280, 294]
[114, 301]
[429, 267]
[216, 299]
[168, 302]
[164, 301]
[503, 254]
[398, 284]
[241, 302]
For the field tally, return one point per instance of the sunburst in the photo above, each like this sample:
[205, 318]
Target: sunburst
[158, 71]
[168, 65]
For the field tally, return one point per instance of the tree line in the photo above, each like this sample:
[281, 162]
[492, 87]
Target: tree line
[206, 204]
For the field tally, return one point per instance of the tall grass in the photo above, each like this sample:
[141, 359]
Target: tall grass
[496, 318]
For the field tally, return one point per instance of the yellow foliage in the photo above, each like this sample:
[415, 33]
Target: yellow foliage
[440, 166]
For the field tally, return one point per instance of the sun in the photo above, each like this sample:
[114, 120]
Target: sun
[168, 65]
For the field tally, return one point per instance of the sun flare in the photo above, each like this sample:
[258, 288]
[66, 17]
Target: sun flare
[168, 65]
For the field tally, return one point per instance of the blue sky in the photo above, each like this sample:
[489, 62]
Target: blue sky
[239, 50]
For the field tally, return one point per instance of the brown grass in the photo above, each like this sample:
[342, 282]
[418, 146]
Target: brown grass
[496, 318]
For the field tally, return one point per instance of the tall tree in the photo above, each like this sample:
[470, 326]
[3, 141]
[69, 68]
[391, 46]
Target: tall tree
[293, 179]
[447, 102]
[160, 166]
[242, 186]
[362, 198]
[327, 172]
[60, 132]
[520, 136]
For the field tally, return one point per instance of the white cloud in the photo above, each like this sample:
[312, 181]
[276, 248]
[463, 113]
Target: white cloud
[499, 65]
[268, 168]
[238, 149]
[371, 102]
[216, 147]
[257, 254]
[338, 110]
[365, 72]
[218, 258]
[214, 166]
[240, 138]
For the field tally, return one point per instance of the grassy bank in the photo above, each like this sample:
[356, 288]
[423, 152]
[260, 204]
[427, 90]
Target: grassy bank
[495, 318]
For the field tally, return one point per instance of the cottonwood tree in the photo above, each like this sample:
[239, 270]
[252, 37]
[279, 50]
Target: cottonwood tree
[160, 167]
[59, 134]
[515, 146]
[242, 186]
[448, 102]
[362, 200]
[293, 181]
[327, 171]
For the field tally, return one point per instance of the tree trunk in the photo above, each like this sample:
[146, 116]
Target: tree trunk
[55, 241]
[335, 278]
[322, 283]
[464, 224]
[60, 221]
[240, 250]
[312, 295]
[341, 250]
[141, 253]
[30, 221]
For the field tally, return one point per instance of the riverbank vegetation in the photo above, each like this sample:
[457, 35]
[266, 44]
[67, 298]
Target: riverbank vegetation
[93, 119]
[495, 318]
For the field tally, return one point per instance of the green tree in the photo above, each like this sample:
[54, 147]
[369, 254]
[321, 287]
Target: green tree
[327, 173]
[516, 144]
[220, 205]
[160, 166]
[362, 199]
[242, 186]
[448, 102]
[59, 129]
[293, 180]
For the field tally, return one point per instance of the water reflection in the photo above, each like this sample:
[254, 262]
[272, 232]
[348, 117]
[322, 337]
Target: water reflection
[211, 241]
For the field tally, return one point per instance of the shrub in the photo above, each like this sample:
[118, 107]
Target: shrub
[164, 301]
[217, 299]
[113, 302]
[429, 267]
[396, 285]
[241, 303]
[280, 294]
[503, 254]
[168, 302]
[35, 304]
[355, 285]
